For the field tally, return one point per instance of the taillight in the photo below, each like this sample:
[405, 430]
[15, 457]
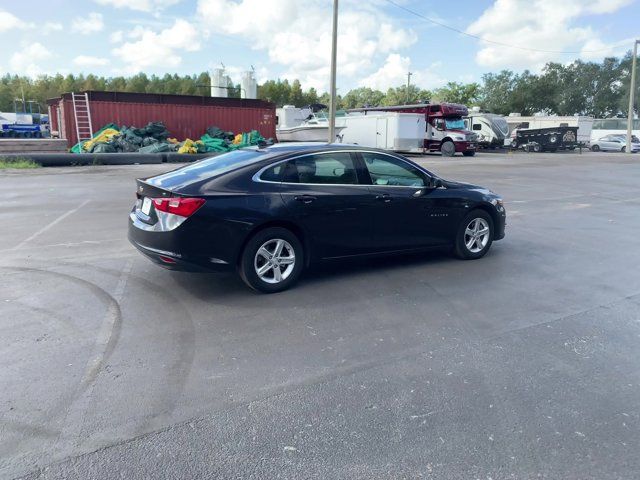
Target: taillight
[183, 206]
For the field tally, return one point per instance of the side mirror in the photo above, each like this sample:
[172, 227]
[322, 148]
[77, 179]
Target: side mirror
[434, 182]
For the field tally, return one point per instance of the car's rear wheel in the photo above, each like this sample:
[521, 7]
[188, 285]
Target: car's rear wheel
[475, 235]
[595, 148]
[272, 260]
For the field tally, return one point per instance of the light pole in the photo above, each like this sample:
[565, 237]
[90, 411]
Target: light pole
[408, 83]
[632, 91]
[332, 87]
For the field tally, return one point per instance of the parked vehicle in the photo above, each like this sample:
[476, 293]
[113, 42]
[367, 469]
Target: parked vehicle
[583, 124]
[491, 129]
[400, 132]
[613, 126]
[295, 124]
[545, 139]
[445, 128]
[269, 212]
[615, 143]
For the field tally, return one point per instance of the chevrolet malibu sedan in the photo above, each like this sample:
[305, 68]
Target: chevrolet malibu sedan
[269, 212]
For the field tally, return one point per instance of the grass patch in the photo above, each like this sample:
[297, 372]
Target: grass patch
[17, 162]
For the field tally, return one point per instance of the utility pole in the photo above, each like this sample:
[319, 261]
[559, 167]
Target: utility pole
[632, 91]
[332, 87]
[408, 84]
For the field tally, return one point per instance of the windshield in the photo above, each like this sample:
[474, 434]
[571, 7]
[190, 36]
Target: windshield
[454, 123]
[207, 168]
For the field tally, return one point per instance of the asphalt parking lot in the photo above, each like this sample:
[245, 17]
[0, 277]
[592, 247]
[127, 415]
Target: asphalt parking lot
[524, 364]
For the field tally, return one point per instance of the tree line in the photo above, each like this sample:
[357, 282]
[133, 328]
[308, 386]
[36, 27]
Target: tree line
[600, 89]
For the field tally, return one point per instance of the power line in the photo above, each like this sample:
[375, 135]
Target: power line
[494, 42]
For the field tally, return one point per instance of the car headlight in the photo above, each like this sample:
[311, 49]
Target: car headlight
[459, 139]
[497, 202]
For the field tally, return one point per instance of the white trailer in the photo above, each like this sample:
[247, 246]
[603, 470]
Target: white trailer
[584, 124]
[400, 132]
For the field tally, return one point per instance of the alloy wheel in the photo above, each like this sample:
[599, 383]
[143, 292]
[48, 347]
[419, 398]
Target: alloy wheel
[476, 235]
[274, 261]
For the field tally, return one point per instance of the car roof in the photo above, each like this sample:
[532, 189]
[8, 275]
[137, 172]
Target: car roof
[295, 147]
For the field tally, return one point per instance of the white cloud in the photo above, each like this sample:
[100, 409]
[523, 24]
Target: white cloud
[116, 37]
[139, 5]
[394, 73]
[297, 35]
[542, 25]
[89, 61]
[50, 27]
[9, 21]
[86, 24]
[159, 49]
[25, 60]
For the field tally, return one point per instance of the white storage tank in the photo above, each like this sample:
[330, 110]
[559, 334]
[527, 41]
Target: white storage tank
[249, 85]
[219, 83]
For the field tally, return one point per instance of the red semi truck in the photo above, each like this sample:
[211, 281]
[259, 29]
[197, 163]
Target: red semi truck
[446, 130]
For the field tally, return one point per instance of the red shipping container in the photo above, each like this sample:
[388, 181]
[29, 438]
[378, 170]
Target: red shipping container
[185, 116]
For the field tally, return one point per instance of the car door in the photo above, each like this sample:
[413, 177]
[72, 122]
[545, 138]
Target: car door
[608, 143]
[407, 213]
[324, 195]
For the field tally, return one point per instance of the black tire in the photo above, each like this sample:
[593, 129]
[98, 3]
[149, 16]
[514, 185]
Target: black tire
[461, 250]
[595, 148]
[623, 149]
[448, 148]
[469, 154]
[247, 268]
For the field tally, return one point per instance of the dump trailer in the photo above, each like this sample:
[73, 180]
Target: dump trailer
[546, 139]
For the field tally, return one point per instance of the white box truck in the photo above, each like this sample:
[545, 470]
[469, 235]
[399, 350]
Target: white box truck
[400, 132]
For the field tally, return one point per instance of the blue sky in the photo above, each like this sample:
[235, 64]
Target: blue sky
[378, 41]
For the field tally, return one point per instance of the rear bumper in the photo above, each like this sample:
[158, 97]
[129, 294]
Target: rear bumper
[167, 250]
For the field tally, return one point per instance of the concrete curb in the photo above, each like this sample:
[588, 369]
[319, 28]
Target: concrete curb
[73, 159]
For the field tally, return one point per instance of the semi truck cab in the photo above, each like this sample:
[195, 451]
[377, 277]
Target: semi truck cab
[447, 132]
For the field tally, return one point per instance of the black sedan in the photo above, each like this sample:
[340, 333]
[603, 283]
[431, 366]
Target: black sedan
[269, 212]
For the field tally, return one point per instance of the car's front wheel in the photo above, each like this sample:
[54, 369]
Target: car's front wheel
[595, 148]
[475, 235]
[272, 260]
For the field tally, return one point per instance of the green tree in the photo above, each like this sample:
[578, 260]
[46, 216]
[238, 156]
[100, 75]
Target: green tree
[363, 96]
[454, 92]
[398, 95]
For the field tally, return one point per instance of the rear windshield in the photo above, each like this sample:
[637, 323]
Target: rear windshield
[207, 168]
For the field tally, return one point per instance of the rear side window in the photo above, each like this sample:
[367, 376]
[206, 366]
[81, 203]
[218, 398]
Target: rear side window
[386, 170]
[273, 174]
[323, 168]
[477, 126]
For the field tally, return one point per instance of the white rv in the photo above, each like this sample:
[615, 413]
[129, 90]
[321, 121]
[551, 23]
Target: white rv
[400, 132]
[584, 124]
[492, 129]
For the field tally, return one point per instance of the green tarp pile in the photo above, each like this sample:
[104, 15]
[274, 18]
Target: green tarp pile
[155, 138]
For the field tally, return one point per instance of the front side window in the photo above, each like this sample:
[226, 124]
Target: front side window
[322, 168]
[386, 170]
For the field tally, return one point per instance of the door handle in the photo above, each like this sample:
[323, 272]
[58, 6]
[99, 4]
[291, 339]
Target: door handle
[306, 199]
[385, 197]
